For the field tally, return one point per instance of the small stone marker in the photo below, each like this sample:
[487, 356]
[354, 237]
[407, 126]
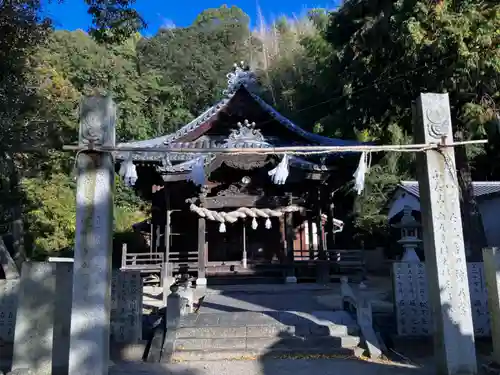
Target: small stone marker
[187, 297]
[443, 238]
[9, 290]
[174, 307]
[33, 337]
[411, 300]
[126, 306]
[491, 258]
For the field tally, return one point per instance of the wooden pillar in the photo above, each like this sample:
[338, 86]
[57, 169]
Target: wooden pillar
[319, 225]
[283, 241]
[290, 278]
[244, 253]
[323, 267]
[310, 235]
[167, 276]
[443, 239]
[151, 233]
[168, 229]
[201, 280]
[330, 240]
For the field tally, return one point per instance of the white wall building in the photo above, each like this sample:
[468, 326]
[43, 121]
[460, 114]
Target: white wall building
[487, 194]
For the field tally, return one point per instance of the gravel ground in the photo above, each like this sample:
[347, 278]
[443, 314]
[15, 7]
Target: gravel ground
[270, 367]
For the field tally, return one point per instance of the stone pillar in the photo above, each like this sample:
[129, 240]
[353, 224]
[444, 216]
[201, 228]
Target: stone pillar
[491, 259]
[90, 311]
[167, 280]
[443, 239]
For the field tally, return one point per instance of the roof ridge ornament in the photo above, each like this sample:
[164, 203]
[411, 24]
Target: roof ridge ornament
[246, 132]
[241, 76]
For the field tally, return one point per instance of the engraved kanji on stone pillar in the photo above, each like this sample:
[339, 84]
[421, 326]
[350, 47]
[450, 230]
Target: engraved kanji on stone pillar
[491, 259]
[443, 239]
[90, 314]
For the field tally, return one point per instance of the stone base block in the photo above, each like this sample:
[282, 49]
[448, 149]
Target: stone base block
[202, 281]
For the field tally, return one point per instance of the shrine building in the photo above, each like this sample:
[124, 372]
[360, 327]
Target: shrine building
[236, 216]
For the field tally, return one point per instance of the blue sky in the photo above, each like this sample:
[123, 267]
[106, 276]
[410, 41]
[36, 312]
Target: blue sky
[72, 14]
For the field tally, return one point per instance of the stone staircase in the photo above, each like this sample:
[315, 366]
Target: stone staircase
[229, 335]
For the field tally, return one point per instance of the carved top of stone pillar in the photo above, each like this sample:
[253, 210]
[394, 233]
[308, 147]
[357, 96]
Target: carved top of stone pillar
[438, 122]
[434, 112]
[97, 121]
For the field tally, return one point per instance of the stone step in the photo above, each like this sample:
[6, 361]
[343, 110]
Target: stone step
[257, 334]
[268, 323]
[265, 344]
[205, 356]
[134, 352]
[268, 330]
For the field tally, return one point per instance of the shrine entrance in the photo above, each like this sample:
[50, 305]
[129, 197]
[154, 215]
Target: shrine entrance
[241, 246]
[224, 248]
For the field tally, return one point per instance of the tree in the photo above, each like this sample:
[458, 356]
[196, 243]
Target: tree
[113, 21]
[389, 52]
[25, 125]
[193, 58]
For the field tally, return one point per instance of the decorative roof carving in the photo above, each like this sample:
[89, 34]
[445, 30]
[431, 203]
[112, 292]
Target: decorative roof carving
[245, 132]
[241, 76]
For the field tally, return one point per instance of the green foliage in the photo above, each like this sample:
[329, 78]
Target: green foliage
[113, 20]
[350, 73]
[359, 73]
[76, 65]
[193, 60]
[51, 213]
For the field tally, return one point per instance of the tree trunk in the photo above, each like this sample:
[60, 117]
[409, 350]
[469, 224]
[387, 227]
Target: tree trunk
[473, 230]
[17, 219]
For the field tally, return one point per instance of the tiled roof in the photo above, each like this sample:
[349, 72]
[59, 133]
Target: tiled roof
[171, 139]
[481, 188]
[175, 162]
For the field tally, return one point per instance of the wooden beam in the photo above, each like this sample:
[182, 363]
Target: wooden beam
[296, 175]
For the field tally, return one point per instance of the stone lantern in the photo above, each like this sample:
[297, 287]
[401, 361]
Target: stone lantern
[409, 235]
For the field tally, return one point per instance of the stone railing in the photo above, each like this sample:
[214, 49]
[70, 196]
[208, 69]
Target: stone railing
[358, 303]
[179, 302]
